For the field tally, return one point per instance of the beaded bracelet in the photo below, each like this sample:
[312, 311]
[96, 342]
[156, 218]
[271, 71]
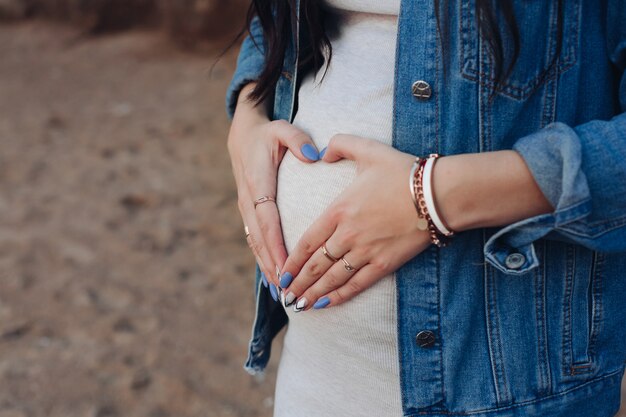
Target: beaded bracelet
[424, 202]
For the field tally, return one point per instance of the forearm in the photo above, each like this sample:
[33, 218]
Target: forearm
[249, 108]
[487, 189]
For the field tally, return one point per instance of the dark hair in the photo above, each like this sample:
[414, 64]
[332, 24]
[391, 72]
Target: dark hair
[278, 18]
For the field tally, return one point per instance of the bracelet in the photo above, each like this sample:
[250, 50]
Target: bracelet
[422, 223]
[428, 196]
[421, 190]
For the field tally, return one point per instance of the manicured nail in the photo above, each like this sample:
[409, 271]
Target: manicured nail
[321, 303]
[323, 152]
[310, 152]
[289, 299]
[264, 278]
[286, 279]
[273, 291]
[300, 305]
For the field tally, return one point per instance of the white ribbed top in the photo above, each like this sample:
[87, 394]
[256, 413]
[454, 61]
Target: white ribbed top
[342, 361]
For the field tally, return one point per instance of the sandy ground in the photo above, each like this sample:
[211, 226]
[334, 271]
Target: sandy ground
[124, 276]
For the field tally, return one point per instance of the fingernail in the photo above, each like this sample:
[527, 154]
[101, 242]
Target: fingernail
[289, 299]
[286, 279]
[323, 152]
[281, 295]
[321, 303]
[273, 291]
[264, 278]
[300, 305]
[310, 152]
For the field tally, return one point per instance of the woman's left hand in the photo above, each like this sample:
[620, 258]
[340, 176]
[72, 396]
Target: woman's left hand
[371, 227]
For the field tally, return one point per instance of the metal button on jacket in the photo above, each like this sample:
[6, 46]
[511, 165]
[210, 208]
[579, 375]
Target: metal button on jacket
[515, 260]
[421, 90]
[425, 338]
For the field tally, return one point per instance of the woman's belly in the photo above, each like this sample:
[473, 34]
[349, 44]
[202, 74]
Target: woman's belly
[351, 348]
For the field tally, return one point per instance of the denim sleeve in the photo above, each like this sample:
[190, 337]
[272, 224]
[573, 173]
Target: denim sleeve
[582, 171]
[250, 64]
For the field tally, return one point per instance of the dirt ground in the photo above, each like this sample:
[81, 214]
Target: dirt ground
[124, 276]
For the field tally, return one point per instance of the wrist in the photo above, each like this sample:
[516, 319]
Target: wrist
[249, 106]
[485, 190]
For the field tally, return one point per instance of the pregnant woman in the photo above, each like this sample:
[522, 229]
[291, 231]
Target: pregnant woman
[435, 194]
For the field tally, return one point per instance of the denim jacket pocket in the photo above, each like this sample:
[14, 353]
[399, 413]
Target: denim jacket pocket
[582, 311]
[539, 40]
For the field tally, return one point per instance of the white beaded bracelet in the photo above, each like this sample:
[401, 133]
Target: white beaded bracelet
[430, 201]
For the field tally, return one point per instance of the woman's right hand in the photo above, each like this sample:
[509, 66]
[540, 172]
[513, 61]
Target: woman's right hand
[256, 146]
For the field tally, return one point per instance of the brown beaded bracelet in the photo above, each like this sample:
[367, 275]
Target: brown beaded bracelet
[417, 174]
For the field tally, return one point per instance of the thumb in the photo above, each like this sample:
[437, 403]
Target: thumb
[299, 143]
[344, 147]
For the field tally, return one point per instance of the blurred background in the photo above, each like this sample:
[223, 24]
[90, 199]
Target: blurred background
[125, 279]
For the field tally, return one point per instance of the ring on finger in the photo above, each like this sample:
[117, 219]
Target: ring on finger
[264, 199]
[328, 255]
[246, 231]
[347, 265]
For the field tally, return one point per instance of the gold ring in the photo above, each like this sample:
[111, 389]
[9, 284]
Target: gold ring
[246, 230]
[327, 254]
[347, 265]
[263, 199]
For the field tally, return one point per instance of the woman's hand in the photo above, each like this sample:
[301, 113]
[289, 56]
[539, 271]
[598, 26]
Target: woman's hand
[372, 226]
[256, 146]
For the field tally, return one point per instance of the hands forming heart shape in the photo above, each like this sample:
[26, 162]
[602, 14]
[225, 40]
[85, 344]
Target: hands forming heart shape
[365, 234]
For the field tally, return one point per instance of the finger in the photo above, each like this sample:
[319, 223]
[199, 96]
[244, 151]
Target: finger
[255, 238]
[268, 219]
[360, 281]
[297, 141]
[314, 268]
[312, 240]
[260, 252]
[259, 263]
[337, 276]
[345, 147]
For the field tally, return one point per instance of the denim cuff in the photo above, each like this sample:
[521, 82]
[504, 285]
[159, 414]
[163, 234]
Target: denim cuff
[554, 158]
[250, 64]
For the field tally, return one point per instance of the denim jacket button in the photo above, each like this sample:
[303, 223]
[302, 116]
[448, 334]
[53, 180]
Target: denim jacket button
[425, 338]
[515, 260]
[421, 90]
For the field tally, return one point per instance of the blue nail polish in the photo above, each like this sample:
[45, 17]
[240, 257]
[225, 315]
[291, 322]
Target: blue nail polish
[323, 152]
[321, 303]
[264, 279]
[273, 292]
[286, 279]
[310, 152]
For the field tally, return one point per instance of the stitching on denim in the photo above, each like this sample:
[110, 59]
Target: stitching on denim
[538, 400]
[487, 326]
[609, 225]
[566, 343]
[594, 317]
[495, 340]
[441, 362]
[597, 306]
[545, 312]
[513, 90]
[540, 311]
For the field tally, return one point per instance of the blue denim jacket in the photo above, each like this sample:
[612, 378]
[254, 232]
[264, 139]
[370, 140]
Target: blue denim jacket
[530, 318]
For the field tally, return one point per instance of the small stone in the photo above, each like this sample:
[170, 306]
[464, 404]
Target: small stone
[124, 325]
[141, 380]
[15, 331]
